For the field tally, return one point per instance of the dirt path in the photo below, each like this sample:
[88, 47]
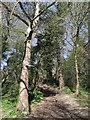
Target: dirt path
[58, 106]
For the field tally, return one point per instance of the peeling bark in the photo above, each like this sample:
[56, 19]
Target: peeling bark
[23, 103]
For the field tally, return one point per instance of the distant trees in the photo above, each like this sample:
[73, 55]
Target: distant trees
[60, 55]
[77, 16]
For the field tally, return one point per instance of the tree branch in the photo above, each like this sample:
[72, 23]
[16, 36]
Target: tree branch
[13, 9]
[87, 44]
[43, 11]
[15, 14]
[21, 6]
[80, 25]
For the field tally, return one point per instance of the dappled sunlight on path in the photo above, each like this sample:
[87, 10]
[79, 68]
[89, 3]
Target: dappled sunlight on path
[59, 105]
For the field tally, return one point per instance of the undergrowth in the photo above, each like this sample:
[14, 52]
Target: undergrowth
[37, 96]
[9, 106]
[9, 103]
[83, 97]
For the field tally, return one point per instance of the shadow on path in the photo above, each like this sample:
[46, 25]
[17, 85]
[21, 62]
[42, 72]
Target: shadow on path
[55, 106]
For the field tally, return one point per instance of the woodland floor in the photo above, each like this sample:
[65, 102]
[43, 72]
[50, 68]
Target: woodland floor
[57, 105]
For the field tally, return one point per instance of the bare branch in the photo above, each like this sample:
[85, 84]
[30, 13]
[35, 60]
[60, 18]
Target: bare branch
[87, 44]
[43, 11]
[21, 6]
[67, 40]
[80, 25]
[15, 14]
[13, 9]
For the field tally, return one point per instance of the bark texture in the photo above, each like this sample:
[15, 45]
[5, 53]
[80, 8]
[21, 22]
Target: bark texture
[88, 47]
[76, 69]
[23, 103]
[60, 74]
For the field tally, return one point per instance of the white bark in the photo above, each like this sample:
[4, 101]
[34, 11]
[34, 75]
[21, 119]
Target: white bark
[76, 69]
[23, 103]
[36, 13]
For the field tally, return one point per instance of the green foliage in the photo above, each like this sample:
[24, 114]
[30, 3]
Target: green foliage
[9, 103]
[69, 71]
[37, 95]
[67, 90]
[83, 98]
[53, 35]
[83, 92]
[8, 106]
[83, 95]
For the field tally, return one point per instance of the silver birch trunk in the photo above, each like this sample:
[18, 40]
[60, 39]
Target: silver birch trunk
[76, 69]
[23, 103]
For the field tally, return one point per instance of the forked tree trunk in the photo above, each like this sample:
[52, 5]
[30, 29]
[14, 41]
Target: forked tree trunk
[76, 69]
[23, 103]
[60, 74]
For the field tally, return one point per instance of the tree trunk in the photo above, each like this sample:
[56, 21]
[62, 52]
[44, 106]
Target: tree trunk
[23, 103]
[60, 74]
[76, 69]
[0, 34]
[88, 47]
[0, 57]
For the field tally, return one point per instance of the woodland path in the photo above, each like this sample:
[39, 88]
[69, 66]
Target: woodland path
[57, 106]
